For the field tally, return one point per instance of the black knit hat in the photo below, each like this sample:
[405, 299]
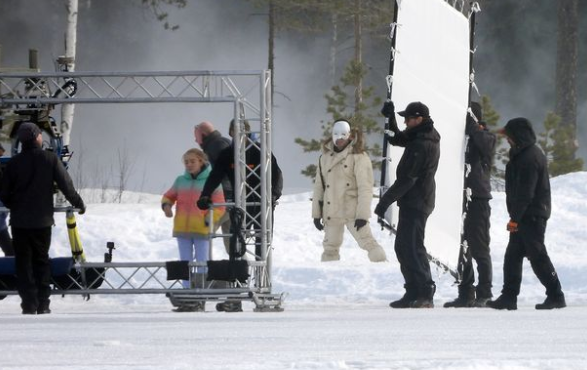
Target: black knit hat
[415, 109]
[28, 132]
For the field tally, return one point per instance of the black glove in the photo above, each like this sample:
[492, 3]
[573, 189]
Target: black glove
[381, 208]
[82, 209]
[388, 109]
[318, 224]
[204, 203]
[359, 223]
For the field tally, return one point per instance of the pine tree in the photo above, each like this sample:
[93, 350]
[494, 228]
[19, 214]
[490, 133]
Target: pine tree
[341, 105]
[491, 117]
[554, 142]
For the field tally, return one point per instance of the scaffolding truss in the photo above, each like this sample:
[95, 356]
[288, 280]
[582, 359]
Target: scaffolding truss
[250, 94]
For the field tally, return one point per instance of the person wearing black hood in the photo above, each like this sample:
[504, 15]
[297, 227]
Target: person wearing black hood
[414, 190]
[527, 188]
[479, 158]
[27, 190]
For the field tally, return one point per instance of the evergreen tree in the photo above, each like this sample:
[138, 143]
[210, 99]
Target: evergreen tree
[491, 117]
[363, 117]
[554, 142]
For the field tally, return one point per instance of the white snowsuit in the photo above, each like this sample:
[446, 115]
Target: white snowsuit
[343, 190]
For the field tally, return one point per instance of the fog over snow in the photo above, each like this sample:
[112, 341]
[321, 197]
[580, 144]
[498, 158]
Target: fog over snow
[336, 315]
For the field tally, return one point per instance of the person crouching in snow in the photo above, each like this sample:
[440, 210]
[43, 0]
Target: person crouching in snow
[190, 224]
[343, 190]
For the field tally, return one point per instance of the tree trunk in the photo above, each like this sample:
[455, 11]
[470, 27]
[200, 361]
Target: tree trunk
[271, 52]
[67, 64]
[358, 55]
[333, 47]
[566, 64]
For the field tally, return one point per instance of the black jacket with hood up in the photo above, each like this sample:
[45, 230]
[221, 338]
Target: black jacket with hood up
[27, 187]
[527, 184]
[415, 186]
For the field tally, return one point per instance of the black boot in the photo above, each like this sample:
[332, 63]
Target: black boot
[552, 302]
[504, 302]
[43, 307]
[405, 301]
[425, 297]
[466, 298]
[230, 306]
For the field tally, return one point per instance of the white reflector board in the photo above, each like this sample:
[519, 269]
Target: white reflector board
[432, 66]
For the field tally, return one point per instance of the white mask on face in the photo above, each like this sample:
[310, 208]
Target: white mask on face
[340, 130]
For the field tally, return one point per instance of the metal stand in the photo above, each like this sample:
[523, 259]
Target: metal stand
[250, 93]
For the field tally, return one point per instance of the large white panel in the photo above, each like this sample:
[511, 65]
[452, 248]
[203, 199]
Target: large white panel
[432, 66]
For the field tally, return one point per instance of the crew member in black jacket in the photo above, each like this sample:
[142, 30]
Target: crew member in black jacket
[27, 189]
[478, 159]
[414, 190]
[527, 189]
[224, 167]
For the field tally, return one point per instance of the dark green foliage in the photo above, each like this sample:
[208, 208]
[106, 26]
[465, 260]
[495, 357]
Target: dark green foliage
[491, 117]
[157, 6]
[341, 105]
[558, 143]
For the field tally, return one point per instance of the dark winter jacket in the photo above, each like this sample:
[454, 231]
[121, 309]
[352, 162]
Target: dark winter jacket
[527, 185]
[479, 156]
[225, 167]
[414, 186]
[212, 145]
[27, 187]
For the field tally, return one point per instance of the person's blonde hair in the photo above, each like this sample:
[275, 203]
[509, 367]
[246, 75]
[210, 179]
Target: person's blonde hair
[196, 152]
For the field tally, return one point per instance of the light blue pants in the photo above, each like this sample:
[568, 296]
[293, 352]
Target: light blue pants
[194, 249]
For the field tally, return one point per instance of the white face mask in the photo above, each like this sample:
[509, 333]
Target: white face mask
[340, 130]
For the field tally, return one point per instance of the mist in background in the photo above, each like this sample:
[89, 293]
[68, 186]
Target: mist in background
[514, 64]
[515, 61]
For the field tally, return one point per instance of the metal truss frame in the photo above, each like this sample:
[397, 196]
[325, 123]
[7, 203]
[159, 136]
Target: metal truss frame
[250, 93]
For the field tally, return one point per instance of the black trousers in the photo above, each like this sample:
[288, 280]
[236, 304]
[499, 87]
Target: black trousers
[6, 243]
[528, 242]
[411, 253]
[476, 234]
[33, 270]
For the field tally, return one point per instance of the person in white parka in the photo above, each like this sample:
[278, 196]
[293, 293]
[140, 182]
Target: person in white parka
[343, 190]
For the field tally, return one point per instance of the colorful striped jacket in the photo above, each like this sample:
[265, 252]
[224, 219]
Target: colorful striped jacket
[190, 221]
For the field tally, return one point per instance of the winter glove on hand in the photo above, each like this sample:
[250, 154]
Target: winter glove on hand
[318, 224]
[512, 226]
[167, 210]
[359, 223]
[381, 208]
[204, 203]
[388, 109]
[82, 209]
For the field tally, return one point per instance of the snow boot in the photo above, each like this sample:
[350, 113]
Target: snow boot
[230, 306]
[43, 308]
[426, 297]
[552, 302]
[504, 302]
[481, 302]
[377, 254]
[329, 256]
[465, 299]
[193, 307]
[405, 301]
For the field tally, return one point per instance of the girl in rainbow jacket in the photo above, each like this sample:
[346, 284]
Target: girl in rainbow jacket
[189, 225]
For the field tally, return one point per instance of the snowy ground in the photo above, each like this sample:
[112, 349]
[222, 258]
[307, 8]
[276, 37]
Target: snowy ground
[336, 315]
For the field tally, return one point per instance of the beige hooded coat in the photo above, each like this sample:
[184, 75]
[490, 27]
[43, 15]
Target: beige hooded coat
[343, 191]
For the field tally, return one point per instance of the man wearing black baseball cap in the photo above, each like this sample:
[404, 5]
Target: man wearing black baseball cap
[414, 190]
[27, 190]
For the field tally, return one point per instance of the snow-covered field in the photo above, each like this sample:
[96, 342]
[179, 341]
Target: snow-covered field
[336, 315]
